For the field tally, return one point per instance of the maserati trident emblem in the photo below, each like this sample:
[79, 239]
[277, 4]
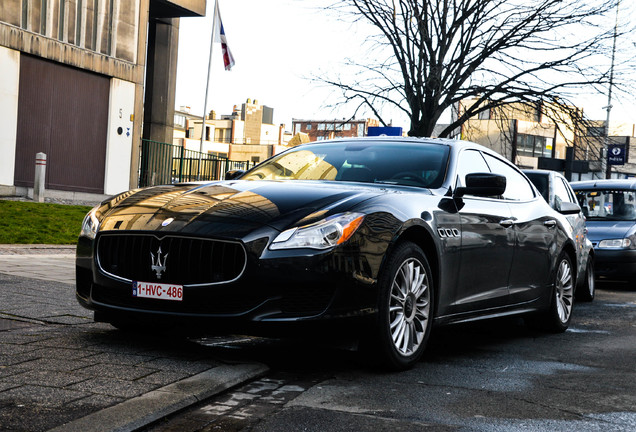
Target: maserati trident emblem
[158, 266]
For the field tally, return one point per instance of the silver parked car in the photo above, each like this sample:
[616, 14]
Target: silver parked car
[556, 190]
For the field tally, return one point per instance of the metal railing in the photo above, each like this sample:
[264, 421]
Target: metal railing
[163, 163]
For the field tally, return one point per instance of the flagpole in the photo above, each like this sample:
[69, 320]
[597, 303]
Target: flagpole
[207, 87]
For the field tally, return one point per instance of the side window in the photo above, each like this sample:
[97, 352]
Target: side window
[517, 187]
[561, 191]
[470, 161]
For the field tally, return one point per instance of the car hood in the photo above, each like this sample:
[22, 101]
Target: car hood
[231, 208]
[601, 230]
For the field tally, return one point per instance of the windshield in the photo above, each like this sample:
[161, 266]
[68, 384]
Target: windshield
[418, 164]
[614, 205]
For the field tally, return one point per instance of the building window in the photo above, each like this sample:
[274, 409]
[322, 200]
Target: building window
[217, 154]
[179, 120]
[535, 146]
[321, 126]
[320, 138]
[219, 135]
[484, 115]
[596, 131]
[308, 126]
[360, 129]
[347, 126]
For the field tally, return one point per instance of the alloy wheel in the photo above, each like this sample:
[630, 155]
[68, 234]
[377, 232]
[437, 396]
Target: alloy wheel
[409, 307]
[564, 290]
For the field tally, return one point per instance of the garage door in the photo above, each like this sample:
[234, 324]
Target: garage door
[63, 112]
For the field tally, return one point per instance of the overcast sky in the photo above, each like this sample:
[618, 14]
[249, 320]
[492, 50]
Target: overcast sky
[277, 44]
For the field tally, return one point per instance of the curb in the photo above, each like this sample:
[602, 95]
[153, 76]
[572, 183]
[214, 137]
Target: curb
[155, 405]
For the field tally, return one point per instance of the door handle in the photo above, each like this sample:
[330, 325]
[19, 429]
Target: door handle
[550, 223]
[507, 223]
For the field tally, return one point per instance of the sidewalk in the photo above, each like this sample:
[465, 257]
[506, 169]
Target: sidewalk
[44, 262]
[61, 371]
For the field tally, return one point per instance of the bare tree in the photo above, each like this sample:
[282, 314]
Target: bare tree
[427, 55]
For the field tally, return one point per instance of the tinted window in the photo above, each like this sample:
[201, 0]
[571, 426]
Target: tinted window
[562, 191]
[517, 187]
[422, 165]
[470, 161]
[542, 183]
[615, 205]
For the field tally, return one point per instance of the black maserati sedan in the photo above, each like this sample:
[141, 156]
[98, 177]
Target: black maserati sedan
[384, 236]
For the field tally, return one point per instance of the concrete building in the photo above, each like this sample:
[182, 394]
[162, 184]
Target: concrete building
[590, 141]
[247, 134]
[525, 135]
[519, 132]
[75, 74]
[319, 130]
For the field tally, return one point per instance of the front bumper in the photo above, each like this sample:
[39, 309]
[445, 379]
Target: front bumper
[286, 287]
[617, 265]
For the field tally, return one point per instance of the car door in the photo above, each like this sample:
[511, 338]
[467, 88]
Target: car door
[563, 193]
[487, 244]
[534, 229]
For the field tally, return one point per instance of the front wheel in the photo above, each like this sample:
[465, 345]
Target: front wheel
[405, 307]
[560, 313]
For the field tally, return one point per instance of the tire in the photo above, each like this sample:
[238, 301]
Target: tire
[560, 313]
[587, 290]
[405, 307]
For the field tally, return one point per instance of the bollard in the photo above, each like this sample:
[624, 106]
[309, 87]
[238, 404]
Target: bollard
[40, 174]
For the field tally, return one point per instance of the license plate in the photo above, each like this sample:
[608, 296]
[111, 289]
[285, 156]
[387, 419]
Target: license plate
[157, 291]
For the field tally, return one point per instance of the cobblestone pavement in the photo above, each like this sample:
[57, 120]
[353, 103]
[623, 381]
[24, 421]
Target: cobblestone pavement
[59, 369]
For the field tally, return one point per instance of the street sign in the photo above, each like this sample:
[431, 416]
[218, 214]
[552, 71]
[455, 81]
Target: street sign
[384, 131]
[616, 154]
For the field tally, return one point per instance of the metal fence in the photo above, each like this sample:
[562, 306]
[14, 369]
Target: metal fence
[163, 163]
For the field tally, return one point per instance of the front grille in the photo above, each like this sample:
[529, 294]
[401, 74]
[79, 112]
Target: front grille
[170, 259]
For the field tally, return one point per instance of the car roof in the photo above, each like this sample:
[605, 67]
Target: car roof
[604, 184]
[458, 144]
[539, 171]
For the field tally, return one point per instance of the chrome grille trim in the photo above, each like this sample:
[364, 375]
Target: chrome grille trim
[142, 236]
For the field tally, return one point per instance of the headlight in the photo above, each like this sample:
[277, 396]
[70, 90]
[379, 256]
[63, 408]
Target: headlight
[622, 243]
[90, 224]
[330, 232]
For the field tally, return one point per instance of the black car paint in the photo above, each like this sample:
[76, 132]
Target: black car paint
[344, 277]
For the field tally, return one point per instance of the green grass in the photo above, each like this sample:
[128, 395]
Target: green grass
[40, 223]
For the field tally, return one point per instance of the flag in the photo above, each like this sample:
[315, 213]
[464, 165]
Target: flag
[219, 36]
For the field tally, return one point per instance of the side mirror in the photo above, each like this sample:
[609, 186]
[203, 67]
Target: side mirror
[234, 174]
[482, 184]
[567, 208]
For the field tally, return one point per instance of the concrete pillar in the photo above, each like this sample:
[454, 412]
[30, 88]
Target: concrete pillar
[161, 79]
[161, 85]
[40, 175]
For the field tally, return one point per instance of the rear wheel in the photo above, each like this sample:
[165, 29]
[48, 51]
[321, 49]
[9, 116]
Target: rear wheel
[588, 288]
[405, 307]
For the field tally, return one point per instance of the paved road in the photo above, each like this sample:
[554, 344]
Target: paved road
[59, 369]
[495, 376]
